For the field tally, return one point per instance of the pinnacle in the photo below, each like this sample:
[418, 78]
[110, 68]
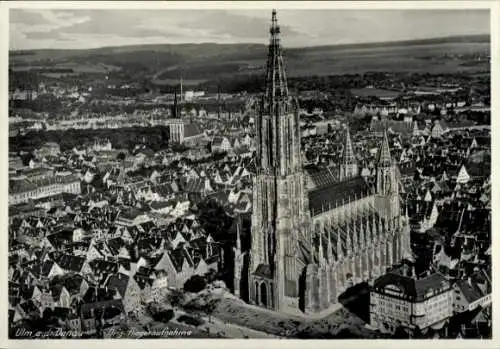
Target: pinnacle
[384, 154]
[276, 85]
[348, 156]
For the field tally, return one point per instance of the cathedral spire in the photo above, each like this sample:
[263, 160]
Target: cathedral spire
[276, 85]
[349, 165]
[384, 155]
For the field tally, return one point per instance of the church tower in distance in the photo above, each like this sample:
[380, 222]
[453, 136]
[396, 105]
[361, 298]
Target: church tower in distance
[280, 215]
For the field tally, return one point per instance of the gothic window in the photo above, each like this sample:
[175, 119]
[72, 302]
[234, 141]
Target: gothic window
[284, 190]
[271, 294]
[387, 181]
[270, 244]
[263, 294]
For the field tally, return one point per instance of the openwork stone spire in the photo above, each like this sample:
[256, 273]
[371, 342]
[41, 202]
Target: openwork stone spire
[276, 86]
[349, 165]
[384, 155]
[348, 154]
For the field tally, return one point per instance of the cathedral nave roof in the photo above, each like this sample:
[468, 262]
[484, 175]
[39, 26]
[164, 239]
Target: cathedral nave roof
[327, 198]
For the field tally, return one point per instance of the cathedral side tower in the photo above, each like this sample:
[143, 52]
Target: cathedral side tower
[349, 167]
[387, 183]
[280, 210]
[387, 201]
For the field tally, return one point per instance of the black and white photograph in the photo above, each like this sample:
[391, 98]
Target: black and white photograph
[258, 172]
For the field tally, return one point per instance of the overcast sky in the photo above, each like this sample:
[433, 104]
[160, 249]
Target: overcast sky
[70, 29]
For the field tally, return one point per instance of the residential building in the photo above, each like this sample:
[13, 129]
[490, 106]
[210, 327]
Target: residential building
[401, 298]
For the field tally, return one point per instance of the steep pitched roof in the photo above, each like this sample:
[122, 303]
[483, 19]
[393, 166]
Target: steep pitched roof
[471, 291]
[329, 197]
[178, 256]
[142, 281]
[119, 282]
[97, 309]
[348, 153]
[191, 130]
[70, 262]
[321, 177]
[103, 266]
[416, 289]
[263, 270]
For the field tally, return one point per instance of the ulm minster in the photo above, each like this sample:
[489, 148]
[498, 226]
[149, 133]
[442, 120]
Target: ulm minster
[310, 244]
[211, 191]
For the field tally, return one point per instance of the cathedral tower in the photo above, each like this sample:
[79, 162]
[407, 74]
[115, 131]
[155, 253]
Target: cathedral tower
[280, 215]
[349, 167]
[387, 183]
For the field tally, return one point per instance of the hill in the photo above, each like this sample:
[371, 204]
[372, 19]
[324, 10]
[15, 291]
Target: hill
[164, 64]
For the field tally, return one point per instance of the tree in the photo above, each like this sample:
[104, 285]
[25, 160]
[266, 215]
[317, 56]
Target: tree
[121, 156]
[206, 304]
[175, 298]
[159, 313]
[214, 219]
[211, 275]
[210, 306]
[195, 284]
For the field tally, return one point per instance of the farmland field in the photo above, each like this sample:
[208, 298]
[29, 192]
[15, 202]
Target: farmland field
[197, 63]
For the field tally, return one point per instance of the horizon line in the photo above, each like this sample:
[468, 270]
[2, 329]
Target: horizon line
[262, 44]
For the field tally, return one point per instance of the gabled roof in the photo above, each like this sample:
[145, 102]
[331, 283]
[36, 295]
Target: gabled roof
[100, 308]
[103, 266]
[329, 197]
[416, 289]
[115, 245]
[29, 307]
[263, 270]
[70, 262]
[191, 130]
[73, 283]
[178, 256]
[42, 269]
[471, 290]
[142, 281]
[119, 282]
[322, 177]
[384, 154]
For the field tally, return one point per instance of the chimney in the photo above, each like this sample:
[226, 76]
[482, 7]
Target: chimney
[469, 281]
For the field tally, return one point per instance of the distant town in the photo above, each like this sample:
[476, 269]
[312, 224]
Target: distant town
[344, 206]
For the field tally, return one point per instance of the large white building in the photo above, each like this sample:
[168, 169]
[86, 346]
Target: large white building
[399, 298]
[182, 132]
[309, 245]
[24, 190]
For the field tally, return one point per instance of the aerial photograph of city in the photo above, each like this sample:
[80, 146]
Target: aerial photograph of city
[249, 173]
